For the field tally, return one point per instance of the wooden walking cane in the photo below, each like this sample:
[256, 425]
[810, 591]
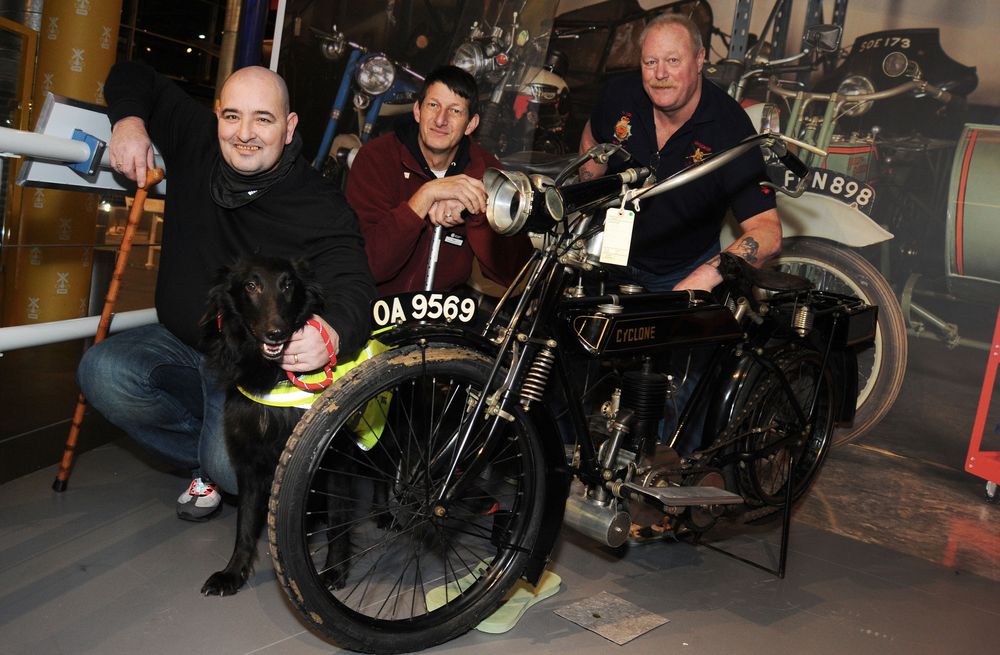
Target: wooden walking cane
[153, 177]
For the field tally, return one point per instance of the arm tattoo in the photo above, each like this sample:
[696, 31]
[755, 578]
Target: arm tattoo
[747, 249]
[585, 175]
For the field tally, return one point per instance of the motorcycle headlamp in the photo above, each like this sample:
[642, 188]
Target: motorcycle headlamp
[470, 57]
[479, 57]
[517, 201]
[376, 74]
[856, 85]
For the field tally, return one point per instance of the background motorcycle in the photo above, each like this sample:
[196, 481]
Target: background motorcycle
[901, 179]
[377, 85]
[424, 484]
[525, 100]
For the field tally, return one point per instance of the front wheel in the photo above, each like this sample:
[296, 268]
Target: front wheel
[881, 368]
[368, 542]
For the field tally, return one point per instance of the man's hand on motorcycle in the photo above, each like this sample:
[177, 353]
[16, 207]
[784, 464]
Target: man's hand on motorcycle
[705, 277]
[447, 213]
[465, 190]
[130, 150]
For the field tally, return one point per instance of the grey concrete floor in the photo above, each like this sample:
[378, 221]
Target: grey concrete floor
[893, 551]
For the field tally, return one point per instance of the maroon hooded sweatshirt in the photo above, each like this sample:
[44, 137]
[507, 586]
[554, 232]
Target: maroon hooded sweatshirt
[385, 174]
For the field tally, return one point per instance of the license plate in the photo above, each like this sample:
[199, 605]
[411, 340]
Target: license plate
[832, 184]
[423, 306]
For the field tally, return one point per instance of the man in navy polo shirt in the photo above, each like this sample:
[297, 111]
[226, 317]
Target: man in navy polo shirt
[665, 117]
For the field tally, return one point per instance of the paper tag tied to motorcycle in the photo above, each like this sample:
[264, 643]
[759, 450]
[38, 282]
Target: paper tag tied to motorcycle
[617, 236]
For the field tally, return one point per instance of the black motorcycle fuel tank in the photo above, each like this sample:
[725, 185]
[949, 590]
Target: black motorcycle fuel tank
[612, 325]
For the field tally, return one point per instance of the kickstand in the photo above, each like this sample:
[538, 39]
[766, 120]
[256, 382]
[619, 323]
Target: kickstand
[786, 520]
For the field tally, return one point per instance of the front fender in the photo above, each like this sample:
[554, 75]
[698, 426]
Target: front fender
[399, 335]
[557, 481]
[814, 215]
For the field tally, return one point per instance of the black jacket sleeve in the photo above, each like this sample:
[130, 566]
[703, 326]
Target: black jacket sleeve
[341, 266]
[170, 114]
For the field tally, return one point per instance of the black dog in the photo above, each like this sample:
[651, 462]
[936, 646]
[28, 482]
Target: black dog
[255, 307]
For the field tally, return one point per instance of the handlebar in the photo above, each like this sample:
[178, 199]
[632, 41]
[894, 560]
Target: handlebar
[921, 86]
[769, 140]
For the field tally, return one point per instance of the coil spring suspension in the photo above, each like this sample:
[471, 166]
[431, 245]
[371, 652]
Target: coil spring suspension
[802, 320]
[533, 387]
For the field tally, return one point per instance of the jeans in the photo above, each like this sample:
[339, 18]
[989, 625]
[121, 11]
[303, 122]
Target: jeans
[153, 386]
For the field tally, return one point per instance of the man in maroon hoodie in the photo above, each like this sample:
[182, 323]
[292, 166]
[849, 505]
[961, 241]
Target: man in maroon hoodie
[428, 173]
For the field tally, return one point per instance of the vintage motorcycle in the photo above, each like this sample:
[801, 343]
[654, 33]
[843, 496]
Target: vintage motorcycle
[525, 102]
[864, 182]
[381, 87]
[426, 482]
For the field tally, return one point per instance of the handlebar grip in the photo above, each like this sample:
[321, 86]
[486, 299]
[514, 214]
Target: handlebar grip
[794, 164]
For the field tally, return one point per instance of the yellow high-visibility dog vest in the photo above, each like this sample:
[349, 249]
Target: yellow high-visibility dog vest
[372, 420]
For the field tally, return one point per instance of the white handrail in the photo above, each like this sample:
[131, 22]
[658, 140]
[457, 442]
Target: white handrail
[40, 334]
[42, 146]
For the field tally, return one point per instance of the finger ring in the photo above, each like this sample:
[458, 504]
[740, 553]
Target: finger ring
[295, 358]
[448, 215]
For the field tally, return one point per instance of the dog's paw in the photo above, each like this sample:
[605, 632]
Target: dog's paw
[222, 583]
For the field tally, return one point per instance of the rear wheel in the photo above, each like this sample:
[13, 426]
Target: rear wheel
[368, 544]
[774, 444]
[880, 368]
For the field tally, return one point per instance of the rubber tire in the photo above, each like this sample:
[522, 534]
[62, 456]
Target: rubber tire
[319, 431]
[855, 275]
[758, 403]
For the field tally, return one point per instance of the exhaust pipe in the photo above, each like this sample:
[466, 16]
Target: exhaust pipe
[602, 522]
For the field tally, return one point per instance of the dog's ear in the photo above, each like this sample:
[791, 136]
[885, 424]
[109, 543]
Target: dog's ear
[313, 290]
[221, 320]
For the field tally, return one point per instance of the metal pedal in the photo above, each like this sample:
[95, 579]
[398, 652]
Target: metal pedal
[686, 496]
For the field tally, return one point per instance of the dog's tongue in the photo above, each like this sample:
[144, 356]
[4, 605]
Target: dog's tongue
[272, 351]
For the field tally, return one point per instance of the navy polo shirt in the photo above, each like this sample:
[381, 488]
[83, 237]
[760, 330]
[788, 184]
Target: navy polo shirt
[674, 229]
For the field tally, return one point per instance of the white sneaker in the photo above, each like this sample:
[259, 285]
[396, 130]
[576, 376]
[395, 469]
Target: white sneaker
[200, 501]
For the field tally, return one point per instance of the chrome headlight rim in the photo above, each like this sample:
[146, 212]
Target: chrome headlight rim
[376, 74]
[470, 57]
[509, 200]
[770, 118]
[895, 64]
[517, 202]
[855, 85]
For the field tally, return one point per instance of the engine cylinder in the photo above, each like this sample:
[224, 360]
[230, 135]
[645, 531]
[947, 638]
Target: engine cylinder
[645, 393]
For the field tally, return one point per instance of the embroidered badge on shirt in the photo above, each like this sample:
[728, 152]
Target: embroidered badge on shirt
[623, 128]
[701, 151]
